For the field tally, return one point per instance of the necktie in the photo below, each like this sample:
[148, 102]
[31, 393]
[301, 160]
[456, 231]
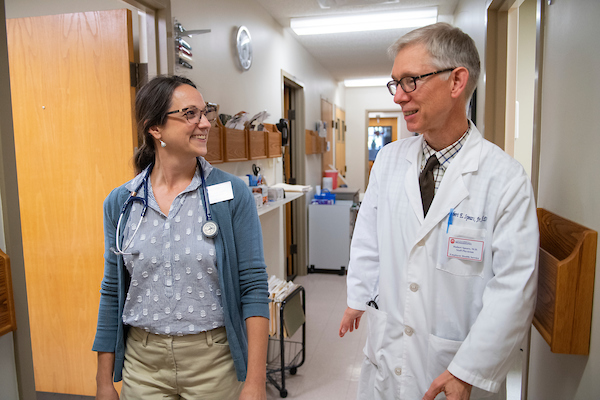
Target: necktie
[427, 183]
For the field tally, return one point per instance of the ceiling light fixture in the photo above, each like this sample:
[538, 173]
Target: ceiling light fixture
[364, 22]
[345, 3]
[365, 82]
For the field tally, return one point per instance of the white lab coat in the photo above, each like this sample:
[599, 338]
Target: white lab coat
[437, 312]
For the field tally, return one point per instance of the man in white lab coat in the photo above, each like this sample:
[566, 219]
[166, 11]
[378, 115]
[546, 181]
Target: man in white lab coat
[448, 287]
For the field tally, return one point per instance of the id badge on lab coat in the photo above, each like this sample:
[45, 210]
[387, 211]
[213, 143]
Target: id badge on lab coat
[462, 251]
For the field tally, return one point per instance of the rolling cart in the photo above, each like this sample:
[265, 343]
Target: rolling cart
[284, 353]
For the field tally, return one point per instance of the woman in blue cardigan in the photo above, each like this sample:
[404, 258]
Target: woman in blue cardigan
[184, 298]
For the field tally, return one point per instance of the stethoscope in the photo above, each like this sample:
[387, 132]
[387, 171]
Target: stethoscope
[210, 229]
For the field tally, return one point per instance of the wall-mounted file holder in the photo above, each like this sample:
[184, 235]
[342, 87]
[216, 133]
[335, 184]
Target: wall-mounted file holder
[235, 144]
[215, 152]
[567, 262]
[8, 319]
[273, 138]
[257, 144]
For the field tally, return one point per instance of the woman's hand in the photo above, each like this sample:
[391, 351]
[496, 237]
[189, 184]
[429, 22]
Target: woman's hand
[350, 320]
[106, 392]
[254, 391]
[105, 389]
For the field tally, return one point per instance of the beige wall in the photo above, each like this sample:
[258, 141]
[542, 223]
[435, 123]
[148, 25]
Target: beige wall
[569, 144]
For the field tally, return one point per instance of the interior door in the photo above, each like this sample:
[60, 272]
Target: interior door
[74, 141]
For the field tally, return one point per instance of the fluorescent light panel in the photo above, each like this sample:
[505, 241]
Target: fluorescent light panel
[366, 82]
[364, 22]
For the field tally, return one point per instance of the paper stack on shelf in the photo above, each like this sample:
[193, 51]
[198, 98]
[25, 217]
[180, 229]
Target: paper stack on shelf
[293, 188]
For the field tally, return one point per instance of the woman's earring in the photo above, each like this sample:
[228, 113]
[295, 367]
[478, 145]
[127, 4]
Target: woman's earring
[163, 144]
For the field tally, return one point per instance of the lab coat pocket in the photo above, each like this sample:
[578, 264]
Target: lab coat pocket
[461, 251]
[440, 353]
[376, 323]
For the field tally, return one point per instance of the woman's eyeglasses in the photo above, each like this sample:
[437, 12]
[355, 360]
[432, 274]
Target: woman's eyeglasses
[194, 115]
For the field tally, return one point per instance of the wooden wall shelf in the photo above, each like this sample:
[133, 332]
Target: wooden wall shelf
[233, 145]
[8, 319]
[567, 263]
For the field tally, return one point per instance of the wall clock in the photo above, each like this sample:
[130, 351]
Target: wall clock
[244, 47]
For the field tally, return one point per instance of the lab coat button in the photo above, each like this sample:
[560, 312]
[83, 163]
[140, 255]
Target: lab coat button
[398, 371]
[409, 331]
[414, 287]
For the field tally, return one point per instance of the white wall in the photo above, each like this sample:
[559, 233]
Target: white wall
[569, 184]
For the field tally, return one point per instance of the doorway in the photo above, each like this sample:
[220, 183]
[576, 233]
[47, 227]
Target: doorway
[294, 173]
[383, 127]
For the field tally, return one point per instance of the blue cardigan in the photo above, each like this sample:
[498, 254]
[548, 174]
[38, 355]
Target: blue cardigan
[240, 262]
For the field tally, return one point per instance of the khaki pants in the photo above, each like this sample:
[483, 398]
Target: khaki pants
[197, 367]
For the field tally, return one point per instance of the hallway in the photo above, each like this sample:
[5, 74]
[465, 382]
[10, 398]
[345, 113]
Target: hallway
[332, 366]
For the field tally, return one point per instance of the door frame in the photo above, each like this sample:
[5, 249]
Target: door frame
[496, 49]
[298, 168]
[496, 71]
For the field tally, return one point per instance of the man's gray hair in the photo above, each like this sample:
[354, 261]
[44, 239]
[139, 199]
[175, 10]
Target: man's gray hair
[448, 46]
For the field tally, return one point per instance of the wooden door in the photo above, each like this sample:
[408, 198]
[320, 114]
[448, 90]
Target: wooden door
[327, 117]
[74, 140]
[340, 141]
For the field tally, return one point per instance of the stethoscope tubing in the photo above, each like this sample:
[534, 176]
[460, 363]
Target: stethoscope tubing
[132, 198]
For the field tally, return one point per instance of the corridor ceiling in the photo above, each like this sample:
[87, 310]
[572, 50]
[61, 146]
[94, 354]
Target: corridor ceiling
[351, 55]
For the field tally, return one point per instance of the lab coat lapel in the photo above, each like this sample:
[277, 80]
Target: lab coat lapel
[453, 189]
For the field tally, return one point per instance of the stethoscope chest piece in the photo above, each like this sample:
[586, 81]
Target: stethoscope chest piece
[210, 229]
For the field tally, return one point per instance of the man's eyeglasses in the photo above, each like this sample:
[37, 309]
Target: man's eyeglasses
[409, 83]
[194, 115]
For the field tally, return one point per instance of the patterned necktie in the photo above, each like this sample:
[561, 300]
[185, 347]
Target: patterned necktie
[427, 184]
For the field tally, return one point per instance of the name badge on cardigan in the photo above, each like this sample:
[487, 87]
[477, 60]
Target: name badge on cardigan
[220, 192]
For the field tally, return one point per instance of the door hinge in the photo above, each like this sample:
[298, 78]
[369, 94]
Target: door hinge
[293, 248]
[138, 74]
[291, 115]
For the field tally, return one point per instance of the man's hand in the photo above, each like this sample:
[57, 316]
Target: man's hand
[350, 320]
[454, 388]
